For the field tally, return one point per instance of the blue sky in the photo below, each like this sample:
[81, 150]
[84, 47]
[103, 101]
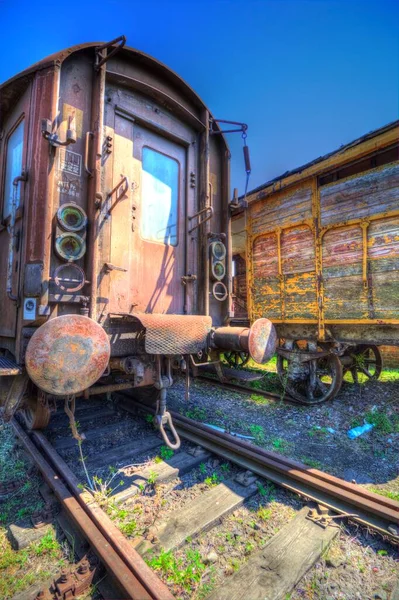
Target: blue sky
[306, 75]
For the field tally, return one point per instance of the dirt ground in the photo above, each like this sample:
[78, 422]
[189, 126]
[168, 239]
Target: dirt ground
[358, 566]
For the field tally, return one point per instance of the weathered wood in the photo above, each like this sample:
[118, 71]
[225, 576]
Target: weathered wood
[22, 533]
[93, 433]
[122, 454]
[273, 573]
[163, 471]
[199, 515]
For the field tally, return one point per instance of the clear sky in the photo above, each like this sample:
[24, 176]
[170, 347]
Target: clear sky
[306, 75]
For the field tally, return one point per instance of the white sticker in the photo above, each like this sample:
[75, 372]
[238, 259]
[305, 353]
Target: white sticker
[70, 162]
[29, 309]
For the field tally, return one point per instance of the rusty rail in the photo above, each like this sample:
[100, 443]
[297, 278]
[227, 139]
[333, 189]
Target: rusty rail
[134, 578]
[372, 510]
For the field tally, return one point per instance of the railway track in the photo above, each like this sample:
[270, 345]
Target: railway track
[114, 439]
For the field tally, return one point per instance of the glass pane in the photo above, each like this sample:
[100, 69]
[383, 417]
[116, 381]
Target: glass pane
[160, 194]
[13, 168]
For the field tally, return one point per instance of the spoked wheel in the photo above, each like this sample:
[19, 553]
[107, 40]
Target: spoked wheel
[236, 359]
[36, 412]
[309, 381]
[366, 359]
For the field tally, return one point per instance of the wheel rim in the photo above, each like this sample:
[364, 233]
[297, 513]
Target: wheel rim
[315, 381]
[367, 360]
[236, 359]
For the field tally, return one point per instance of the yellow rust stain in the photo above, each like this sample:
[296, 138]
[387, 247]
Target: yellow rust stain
[76, 115]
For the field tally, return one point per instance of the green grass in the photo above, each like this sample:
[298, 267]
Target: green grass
[47, 545]
[266, 491]
[166, 453]
[280, 445]
[185, 572]
[311, 462]
[128, 528]
[264, 513]
[382, 422]
[212, 480]
[386, 493]
[196, 413]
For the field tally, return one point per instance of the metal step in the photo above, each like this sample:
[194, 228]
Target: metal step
[8, 367]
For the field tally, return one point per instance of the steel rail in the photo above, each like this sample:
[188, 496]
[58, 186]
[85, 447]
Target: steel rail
[146, 576]
[372, 510]
[135, 579]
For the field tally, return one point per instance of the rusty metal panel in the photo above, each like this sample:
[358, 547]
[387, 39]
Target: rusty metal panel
[175, 334]
[282, 209]
[344, 294]
[360, 196]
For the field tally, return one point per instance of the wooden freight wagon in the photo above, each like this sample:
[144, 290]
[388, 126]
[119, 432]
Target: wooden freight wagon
[322, 253]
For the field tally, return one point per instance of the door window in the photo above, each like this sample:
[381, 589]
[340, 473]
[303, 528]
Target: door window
[13, 168]
[160, 197]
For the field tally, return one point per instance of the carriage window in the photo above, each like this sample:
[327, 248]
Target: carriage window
[160, 194]
[13, 168]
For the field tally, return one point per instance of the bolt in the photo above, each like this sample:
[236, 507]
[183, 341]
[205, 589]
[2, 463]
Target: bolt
[64, 576]
[83, 567]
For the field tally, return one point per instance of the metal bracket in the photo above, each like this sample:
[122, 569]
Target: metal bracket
[108, 267]
[242, 127]
[188, 278]
[321, 516]
[53, 138]
[101, 60]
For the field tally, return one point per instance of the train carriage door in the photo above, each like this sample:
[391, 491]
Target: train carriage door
[11, 207]
[148, 221]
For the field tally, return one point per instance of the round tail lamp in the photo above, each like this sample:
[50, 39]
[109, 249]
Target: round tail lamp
[71, 217]
[69, 278]
[218, 270]
[218, 250]
[219, 291]
[70, 246]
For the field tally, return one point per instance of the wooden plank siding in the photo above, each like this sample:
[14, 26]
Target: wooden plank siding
[327, 253]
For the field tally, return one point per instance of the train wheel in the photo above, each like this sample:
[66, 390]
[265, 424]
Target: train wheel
[313, 381]
[36, 412]
[367, 360]
[236, 359]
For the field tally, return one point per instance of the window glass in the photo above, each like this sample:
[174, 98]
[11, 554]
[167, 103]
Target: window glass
[160, 194]
[13, 168]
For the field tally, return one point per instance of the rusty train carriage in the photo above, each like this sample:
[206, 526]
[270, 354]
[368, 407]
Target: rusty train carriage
[114, 232]
[323, 263]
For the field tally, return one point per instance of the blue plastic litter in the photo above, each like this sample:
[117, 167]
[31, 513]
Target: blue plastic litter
[356, 431]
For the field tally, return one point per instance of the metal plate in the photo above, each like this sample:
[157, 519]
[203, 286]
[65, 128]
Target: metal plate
[175, 334]
[67, 354]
